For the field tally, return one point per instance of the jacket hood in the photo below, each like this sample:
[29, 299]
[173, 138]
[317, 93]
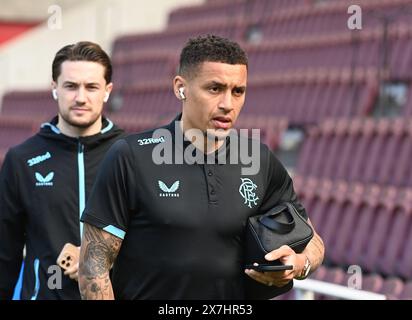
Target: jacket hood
[49, 130]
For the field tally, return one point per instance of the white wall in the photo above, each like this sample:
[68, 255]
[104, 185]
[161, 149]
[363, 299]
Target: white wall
[24, 10]
[25, 62]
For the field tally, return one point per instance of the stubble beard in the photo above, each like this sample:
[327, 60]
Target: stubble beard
[79, 124]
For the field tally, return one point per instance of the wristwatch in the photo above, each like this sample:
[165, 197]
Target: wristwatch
[305, 271]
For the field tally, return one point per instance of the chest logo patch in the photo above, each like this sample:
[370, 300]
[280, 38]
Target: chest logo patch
[44, 181]
[31, 162]
[246, 190]
[169, 192]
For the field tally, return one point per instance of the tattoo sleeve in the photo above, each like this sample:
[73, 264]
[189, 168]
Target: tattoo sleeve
[98, 251]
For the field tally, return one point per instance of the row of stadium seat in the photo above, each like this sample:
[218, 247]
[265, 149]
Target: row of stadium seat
[230, 9]
[14, 130]
[144, 67]
[308, 97]
[303, 97]
[361, 224]
[38, 103]
[341, 50]
[362, 150]
[330, 18]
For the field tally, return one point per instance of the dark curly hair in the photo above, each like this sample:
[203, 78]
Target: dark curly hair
[209, 48]
[82, 51]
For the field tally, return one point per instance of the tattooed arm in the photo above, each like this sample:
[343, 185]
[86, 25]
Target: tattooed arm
[98, 251]
[315, 250]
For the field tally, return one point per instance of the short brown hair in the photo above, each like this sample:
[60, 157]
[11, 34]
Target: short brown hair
[82, 51]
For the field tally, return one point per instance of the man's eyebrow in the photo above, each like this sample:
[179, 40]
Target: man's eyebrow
[225, 86]
[218, 84]
[87, 84]
[70, 82]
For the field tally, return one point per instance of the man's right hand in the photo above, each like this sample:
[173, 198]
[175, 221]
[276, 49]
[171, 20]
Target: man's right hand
[73, 272]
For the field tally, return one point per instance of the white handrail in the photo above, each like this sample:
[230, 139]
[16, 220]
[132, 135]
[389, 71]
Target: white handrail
[335, 290]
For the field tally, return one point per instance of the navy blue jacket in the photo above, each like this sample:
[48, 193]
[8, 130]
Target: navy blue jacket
[44, 184]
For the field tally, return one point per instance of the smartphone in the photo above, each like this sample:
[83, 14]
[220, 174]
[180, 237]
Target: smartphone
[69, 256]
[269, 267]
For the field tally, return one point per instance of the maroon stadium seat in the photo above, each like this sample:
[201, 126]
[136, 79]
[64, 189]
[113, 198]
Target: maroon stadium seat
[392, 288]
[147, 67]
[14, 130]
[39, 104]
[372, 282]
[407, 291]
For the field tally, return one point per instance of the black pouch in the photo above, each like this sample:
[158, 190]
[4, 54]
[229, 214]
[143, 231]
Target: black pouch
[282, 225]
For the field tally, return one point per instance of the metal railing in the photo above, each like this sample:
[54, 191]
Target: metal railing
[305, 291]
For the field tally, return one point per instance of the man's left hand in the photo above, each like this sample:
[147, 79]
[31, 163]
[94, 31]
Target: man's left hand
[286, 255]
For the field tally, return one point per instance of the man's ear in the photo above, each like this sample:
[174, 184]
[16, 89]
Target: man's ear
[179, 84]
[108, 89]
[54, 90]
